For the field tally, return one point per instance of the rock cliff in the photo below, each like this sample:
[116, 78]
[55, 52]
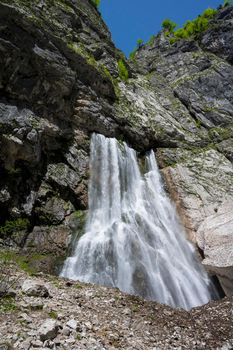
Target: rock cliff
[60, 81]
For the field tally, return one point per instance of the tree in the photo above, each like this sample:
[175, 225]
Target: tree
[96, 2]
[139, 43]
[169, 25]
[226, 3]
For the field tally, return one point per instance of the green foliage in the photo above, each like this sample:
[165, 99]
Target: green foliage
[209, 13]
[169, 25]
[7, 305]
[96, 3]
[24, 262]
[14, 226]
[193, 28]
[226, 3]
[123, 71]
[139, 43]
[181, 33]
[53, 314]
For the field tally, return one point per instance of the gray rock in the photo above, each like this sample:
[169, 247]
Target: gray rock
[215, 238]
[48, 330]
[66, 331]
[35, 289]
[198, 184]
[73, 324]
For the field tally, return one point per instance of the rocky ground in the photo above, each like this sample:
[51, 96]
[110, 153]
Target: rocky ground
[52, 313]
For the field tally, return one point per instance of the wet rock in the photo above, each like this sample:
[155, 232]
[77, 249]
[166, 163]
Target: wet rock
[35, 289]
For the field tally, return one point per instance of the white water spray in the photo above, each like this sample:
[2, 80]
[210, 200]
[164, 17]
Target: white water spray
[133, 239]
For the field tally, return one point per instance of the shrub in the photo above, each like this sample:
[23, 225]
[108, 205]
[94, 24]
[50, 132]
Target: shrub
[96, 3]
[226, 3]
[181, 33]
[209, 13]
[139, 43]
[13, 226]
[189, 27]
[192, 28]
[200, 24]
[123, 71]
[169, 25]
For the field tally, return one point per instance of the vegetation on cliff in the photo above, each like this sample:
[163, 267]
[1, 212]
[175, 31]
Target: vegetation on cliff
[191, 29]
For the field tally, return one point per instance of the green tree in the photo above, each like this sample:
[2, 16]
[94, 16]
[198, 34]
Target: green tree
[226, 3]
[140, 43]
[96, 2]
[169, 25]
[209, 13]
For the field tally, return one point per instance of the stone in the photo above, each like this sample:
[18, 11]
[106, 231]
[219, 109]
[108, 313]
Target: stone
[73, 324]
[26, 318]
[48, 330]
[66, 331]
[35, 289]
[37, 343]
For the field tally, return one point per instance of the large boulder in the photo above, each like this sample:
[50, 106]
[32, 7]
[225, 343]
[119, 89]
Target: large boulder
[35, 289]
[48, 330]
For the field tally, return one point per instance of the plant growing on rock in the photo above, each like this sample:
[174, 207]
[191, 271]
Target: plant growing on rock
[123, 71]
[227, 3]
[96, 3]
[193, 28]
[13, 226]
[169, 25]
[139, 43]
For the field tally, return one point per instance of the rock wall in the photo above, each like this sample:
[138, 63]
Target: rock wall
[59, 82]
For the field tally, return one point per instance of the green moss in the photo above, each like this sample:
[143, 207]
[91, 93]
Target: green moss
[123, 71]
[107, 75]
[198, 123]
[220, 133]
[13, 226]
[7, 305]
[23, 262]
[53, 314]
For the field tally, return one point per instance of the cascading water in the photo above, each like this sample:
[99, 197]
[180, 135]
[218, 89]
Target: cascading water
[133, 239]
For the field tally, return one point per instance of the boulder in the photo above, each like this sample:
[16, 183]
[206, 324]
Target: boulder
[35, 289]
[48, 330]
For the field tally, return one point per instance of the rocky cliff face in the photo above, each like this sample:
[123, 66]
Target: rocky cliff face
[59, 82]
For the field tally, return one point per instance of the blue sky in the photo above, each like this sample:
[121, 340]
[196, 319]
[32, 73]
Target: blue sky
[129, 20]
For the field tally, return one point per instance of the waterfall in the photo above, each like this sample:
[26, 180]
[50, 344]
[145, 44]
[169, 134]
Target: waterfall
[133, 239]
